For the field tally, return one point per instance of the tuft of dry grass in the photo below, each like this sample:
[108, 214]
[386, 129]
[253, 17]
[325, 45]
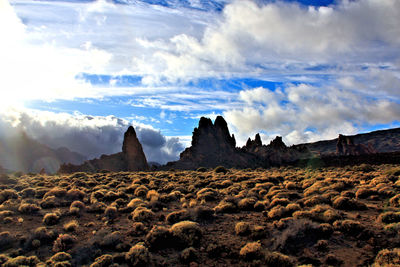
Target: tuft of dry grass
[251, 251]
[51, 218]
[186, 233]
[138, 255]
[71, 226]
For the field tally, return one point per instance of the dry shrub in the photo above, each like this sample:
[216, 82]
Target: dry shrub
[138, 255]
[392, 227]
[365, 192]
[333, 260]
[387, 257]
[51, 218]
[278, 212]
[56, 191]
[320, 213]
[136, 202]
[138, 229]
[28, 192]
[395, 201]
[279, 201]
[71, 226]
[142, 214]
[188, 255]
[141, 191]
[97, 207]
[393, 171]
[22, 261]
[50, 202]
[220, 169]
[201, 213]
[251, 251]
[6, 213]
[226, 207]
[348, 227]
[278, 259]
[60, 259]
[159, 237]
[103, 261]
[63, 242]
[261, 205]
[290, 185]
[7, 194]
[186, 233]
[152, 195]
[345, 203]
[315, 200]
[6, 240]
[177, 216]
[28, 208]
[111, 212]
[75, 194]
[78, 204]
[207, 194]
[43, 235]
[243, 228]
[3, 259]
[322, 245]
[389, 217]
[247, 203]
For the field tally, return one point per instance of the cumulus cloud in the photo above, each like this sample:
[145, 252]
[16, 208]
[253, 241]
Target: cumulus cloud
[304, 113]
[279, 36]
[88, 135]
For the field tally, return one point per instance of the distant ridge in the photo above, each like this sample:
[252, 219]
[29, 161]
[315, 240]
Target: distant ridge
[381, 140]
[21, 153]
[212, 145]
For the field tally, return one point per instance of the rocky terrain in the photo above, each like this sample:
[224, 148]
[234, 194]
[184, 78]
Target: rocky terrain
[382, 141]
[211, 217]
[213, 145]
[131, 158]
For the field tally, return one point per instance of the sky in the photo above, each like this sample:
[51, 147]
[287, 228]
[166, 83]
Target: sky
[78, 73]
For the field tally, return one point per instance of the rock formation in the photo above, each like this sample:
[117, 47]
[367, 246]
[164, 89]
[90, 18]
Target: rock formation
[345, 146]
[132, 158]
[276, 153]
[133, 151]
[253, 144]
[213, 145]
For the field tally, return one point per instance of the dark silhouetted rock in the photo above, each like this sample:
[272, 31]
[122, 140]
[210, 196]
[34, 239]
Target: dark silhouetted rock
[133, 151]
[132, 158]
[345, 146]
[251, 145]
[213, 145]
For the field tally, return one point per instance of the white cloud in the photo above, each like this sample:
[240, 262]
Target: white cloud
[280, 37]
[304, 113]
[88, 135]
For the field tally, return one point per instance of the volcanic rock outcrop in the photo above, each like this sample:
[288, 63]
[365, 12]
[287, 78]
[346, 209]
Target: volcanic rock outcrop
[345, 146]
[276, 153]
[213, 145]
[132, 158]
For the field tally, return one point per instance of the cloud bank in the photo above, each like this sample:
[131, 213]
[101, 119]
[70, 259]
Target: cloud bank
[88, 135]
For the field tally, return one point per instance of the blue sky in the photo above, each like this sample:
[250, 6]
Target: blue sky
[305, 70]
